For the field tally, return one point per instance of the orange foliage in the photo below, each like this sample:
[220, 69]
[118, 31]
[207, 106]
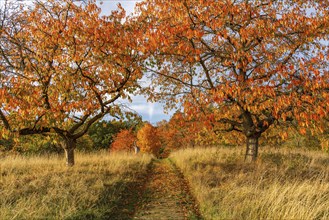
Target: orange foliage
[178, 132]
[63, 66]
[239, 66]
[123, 141]
[182, 131]
[148, 139]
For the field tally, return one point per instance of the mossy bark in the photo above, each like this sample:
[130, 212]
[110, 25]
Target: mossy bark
[251, 149]
[69, 147]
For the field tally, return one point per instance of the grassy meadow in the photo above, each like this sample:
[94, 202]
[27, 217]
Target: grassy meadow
[282, 184]
[44, 188]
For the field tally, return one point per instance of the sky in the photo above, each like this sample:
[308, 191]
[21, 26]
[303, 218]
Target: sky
[152, 112]
[108, 5]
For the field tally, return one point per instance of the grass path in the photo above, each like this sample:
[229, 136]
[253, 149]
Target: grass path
[166, 194]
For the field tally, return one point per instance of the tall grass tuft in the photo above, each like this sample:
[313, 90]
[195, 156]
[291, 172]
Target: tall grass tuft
[44, 188]
[282, 184]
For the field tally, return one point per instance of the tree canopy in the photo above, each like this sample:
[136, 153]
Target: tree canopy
[148, 139]
[124, 141]
[63, 67]
[242, 66]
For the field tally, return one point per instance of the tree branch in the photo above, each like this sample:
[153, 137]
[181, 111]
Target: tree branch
[4, 120]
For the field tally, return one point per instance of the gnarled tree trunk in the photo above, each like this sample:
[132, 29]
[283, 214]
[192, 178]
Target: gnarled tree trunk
[69, 146]
[252, 149]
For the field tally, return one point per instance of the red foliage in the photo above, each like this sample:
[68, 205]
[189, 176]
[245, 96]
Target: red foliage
[123, 141]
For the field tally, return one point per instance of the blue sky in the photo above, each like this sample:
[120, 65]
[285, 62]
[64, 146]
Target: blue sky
[152, 112]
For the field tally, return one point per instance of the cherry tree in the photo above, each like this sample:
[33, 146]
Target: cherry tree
[243, 66]
[63, 67]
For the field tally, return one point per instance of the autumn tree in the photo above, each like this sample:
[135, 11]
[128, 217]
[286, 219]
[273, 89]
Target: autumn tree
[103, 132]
[243, 66]
[170, 136]
[63, 67]
[185, 131]
[124, 141]
[148, 139]
[181, 131]
[177, 133]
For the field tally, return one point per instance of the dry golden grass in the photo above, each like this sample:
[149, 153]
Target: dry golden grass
[282, 184]
[44, 188]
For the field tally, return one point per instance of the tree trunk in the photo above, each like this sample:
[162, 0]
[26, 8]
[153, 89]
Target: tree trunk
[252, 149]
[69, 146]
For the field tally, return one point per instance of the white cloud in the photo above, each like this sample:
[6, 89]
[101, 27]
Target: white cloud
[109, 5]
[149, 111]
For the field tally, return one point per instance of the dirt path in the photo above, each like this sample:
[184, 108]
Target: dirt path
[166, 194]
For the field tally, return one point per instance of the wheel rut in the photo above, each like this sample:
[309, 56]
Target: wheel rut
[166, 195]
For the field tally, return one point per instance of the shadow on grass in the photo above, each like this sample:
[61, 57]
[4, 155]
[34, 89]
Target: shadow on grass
[188, 199]
[131, 196]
